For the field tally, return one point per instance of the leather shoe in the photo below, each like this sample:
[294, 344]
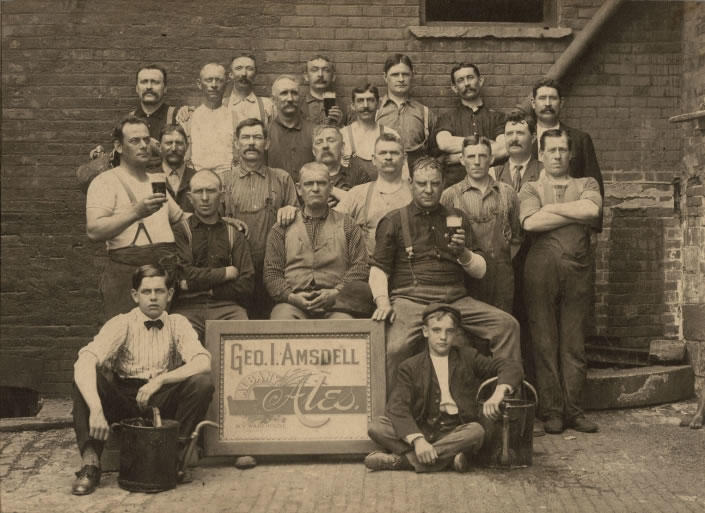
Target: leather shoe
[245, 462]
[580, 423]
[379, 460]
[460, 463]
[553, 425]
[87, 480]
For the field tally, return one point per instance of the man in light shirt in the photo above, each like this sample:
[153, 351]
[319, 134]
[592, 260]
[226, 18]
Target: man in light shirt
[369, 202]
[211, 124]
[144, 349]
[243, 102]
[123, 210]
[432, 413]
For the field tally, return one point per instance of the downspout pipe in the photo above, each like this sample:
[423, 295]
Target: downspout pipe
[579, 45]
[583, 40]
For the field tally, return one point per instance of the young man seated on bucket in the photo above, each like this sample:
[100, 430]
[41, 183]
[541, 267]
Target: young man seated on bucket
[432, 413]
[144, 349]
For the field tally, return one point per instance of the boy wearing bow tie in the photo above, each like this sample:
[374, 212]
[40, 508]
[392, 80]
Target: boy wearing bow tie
[155, 360]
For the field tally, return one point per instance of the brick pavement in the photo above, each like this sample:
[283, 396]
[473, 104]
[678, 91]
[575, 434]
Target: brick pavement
[641, 461]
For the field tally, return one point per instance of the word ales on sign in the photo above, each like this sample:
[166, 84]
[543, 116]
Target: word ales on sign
[280, 385]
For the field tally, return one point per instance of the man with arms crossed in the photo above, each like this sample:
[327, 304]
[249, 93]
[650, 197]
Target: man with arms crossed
[144, 349]
[559, 211]
[432, 413]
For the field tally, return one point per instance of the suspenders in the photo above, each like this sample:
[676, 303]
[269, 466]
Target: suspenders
[408, 244]
[231, 235]
[133, 200]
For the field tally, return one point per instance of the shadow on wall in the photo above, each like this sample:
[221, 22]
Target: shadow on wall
[635, 297]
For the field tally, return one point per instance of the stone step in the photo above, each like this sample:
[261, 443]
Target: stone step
[639, 386]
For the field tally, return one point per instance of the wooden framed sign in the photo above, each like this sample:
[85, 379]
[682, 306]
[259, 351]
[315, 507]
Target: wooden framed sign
[295, 387]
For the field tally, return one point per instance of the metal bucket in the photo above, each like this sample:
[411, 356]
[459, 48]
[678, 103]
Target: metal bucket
[148, 454]
[509, 440]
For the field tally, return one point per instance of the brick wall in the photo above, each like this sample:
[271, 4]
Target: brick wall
[68, 72]
[693, 191]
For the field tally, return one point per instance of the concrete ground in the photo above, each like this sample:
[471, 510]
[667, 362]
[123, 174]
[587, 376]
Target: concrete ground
[640, 461]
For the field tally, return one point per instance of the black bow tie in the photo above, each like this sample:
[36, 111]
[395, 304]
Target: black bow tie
[154, 324]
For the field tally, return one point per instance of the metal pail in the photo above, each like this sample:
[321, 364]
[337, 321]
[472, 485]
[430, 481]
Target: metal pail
[148, 454]
[509, 439]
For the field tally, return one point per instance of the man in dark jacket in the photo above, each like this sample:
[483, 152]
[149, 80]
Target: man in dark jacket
[432, 414]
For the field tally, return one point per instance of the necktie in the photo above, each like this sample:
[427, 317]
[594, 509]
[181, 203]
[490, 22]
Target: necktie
[154, 324]
[517, 177]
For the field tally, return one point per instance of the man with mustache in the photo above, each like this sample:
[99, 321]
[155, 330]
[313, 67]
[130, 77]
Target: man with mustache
[243, 102]
[260, 196]
[547, 103]
[173, 143]
[150, 88]
[492, 208]
[319, 75]
[211, 126]
[369, 202]
[470, 117]
[309, 262]
[134, 222]
[418, 260]
[521, 168]
[290, 133]
[328, 150]
[412, 120]
[359, 136]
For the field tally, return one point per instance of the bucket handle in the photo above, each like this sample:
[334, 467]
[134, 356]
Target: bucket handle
[524, 383]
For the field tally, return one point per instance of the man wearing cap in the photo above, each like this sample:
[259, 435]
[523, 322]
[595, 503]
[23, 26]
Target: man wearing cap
[422, 257]
[432, 413]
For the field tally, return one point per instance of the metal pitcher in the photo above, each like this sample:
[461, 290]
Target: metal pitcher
[509, 439]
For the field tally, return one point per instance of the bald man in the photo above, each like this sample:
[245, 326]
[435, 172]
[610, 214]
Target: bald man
[218, 275]
[290, 135]
[211, 124]
[308, 263]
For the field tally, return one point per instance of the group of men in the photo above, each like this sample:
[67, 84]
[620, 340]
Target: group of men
[293, 207]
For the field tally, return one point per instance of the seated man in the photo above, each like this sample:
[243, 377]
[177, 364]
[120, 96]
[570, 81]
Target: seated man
[432, 414]
[308, 263]
[419, 260]
[144, 349]
[217, 275]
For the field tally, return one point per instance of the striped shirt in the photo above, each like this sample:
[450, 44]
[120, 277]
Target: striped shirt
[500, 203]
[248, 191]
[131, 350]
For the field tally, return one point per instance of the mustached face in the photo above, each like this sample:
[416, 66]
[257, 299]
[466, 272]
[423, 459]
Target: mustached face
[150, 86]
[467, 83]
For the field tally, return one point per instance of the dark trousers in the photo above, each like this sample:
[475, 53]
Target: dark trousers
[186, 402]
[558, 298]
[198, 310]
[450, 441]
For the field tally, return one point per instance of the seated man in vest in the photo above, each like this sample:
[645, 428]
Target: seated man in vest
[217, 276]
[432, 412]
[420, 258]
[144, 349]
[308, 263]
[135, 222]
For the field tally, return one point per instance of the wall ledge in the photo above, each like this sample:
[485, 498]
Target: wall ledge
[477, 31]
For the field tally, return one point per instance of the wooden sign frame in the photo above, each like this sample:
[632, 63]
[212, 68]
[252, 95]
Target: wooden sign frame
[342, 379]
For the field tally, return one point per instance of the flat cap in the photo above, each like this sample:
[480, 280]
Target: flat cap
[441, 307]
